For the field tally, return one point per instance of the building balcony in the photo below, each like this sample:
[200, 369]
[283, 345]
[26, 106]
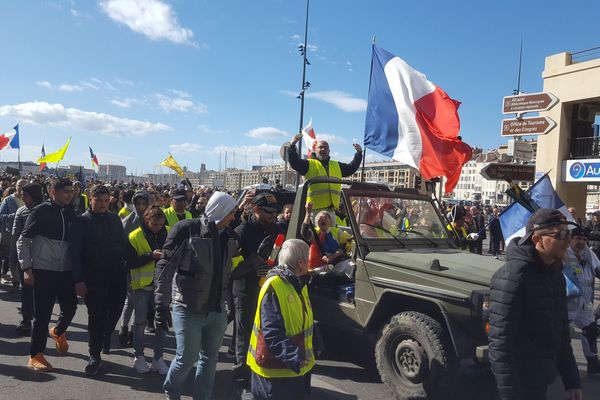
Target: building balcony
[585, 147]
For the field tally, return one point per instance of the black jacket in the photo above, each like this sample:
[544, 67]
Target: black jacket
[301, 166]
[97, 246]
[529, 335]
[251, 234]
[195, 266]
[43, 243]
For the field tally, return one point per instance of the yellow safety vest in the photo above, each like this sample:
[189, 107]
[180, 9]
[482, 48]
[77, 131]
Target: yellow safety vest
[172, 218]
[293, 315]
[324, 195]
[144, 275]
[235, 261]
[124, 212]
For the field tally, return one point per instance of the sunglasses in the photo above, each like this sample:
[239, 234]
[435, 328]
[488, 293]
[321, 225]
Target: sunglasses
[560, 235]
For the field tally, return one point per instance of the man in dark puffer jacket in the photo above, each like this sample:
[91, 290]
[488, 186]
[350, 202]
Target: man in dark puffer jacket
[529, 335]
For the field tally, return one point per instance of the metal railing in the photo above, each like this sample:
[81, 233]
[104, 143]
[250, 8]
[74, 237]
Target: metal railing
[585, 147]
[585, 55]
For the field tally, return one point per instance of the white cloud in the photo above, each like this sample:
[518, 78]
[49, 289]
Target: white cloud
[42, 113]
[185, 148]
[45, 84]
[152, 18]
[65, 87]
[295, 37]
[339, 99]
[331, 139]
[312, 47]
[210, 131]
[250, 154]
[266, 132]
[124, 103]
[180, 93]
[124, 82]
[181, 104]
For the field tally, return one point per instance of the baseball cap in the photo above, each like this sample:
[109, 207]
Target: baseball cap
[178, 194]
[267, 202]
[543, 218]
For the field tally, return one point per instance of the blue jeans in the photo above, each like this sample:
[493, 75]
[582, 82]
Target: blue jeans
[142, 303]
[198, 337]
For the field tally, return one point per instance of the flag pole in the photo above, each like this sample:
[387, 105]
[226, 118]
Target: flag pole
[304, 63]
[19, 159]
[362, 177]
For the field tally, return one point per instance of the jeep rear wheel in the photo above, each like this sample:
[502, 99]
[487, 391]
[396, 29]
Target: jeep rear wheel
[414, 359]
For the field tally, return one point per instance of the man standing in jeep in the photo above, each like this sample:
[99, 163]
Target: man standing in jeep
[323, 195]
[529, 339]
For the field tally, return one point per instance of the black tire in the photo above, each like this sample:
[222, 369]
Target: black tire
[414, 358]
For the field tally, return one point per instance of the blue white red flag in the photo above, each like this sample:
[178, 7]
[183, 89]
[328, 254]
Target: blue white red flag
[514, 219]
[10, 139]
[413, 121]
[93, 157]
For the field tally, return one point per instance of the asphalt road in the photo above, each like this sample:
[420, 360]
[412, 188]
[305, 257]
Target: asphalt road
[346, 372]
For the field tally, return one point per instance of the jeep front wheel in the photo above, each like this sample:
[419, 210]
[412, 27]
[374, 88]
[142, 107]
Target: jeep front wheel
[414, 359]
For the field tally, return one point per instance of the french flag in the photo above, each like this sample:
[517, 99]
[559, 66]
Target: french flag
[10, 139]
[411, 120]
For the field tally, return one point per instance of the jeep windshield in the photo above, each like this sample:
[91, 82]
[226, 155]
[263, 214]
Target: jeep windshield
[386, 217]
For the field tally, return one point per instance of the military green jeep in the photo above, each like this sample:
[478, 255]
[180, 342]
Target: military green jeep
[426, 300]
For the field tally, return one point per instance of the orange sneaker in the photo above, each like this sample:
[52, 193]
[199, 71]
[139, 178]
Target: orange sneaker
[39, 363]
[62, 346]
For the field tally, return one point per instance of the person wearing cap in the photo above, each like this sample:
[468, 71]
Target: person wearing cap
[195, 265]
[260, 228]
[323, 195]
[581, 268]
[177, 212]
[529, 337]
[42, 252]
[32, 196]
[97, 252]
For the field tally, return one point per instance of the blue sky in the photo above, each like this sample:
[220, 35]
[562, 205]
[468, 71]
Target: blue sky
[135, 79]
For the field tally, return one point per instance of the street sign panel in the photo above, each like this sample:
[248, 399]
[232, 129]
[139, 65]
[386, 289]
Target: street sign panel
[527, 126]
[520, 150]
[516, 172]
[530, 102]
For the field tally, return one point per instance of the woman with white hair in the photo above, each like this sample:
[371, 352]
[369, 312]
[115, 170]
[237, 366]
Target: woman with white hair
[281, 352]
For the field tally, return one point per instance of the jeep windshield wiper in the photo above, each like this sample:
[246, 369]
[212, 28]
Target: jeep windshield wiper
[422, 235]
[385, 231]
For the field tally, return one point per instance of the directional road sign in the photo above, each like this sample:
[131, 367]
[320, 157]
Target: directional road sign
[527, 126]
[523, 103]
[516, 172]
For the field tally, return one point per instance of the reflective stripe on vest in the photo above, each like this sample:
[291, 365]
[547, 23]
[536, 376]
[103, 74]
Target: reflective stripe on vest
[293, 316]
[323, 195]
[172, 218]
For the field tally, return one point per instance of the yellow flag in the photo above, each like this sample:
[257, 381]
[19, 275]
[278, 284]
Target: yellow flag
[56, 156]
[171, 163]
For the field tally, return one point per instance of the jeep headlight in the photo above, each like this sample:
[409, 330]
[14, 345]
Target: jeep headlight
[480, 307]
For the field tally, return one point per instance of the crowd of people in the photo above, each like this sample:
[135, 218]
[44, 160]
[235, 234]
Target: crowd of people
[160, 257]
[156, 257]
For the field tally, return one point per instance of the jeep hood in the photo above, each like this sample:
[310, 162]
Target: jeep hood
[455, 264]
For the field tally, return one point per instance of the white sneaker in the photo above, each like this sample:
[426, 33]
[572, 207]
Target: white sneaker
[160, 366]
[140, 365]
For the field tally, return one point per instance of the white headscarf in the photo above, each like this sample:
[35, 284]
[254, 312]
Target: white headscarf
[219, 205]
